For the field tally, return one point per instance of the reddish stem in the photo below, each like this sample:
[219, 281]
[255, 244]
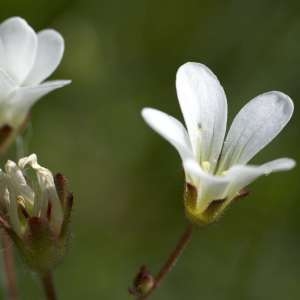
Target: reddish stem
[48, 285]
[9, 267]
[171, 260]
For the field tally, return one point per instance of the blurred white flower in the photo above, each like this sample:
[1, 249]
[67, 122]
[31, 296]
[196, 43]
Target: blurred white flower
[27, 58]
[216, 171]
[35, 211]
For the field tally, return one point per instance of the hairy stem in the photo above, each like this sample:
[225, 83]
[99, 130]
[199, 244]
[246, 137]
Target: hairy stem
[171, 260]
[48, 285]
[9, 267]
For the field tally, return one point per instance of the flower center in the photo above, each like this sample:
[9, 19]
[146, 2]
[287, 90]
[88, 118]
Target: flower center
[206, 166]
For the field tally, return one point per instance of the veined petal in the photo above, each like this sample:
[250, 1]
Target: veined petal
[48, 191]
[204, 107]
[18, 43]
[255, 126]
[14, 172]
[209, 187]
[44, 176]
[17, 183]
[23, 98]
[29, 95]
[170, 129]
[10, 198]
[240, 175]
[50, 50]
[7, 85]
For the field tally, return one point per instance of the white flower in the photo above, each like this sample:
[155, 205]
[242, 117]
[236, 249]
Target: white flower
[28, 194]
[26, 60]
[216, 170]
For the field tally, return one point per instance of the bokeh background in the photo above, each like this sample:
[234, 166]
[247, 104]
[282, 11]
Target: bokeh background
[127, 181]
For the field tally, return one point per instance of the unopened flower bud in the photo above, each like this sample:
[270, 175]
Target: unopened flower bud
[142, 283]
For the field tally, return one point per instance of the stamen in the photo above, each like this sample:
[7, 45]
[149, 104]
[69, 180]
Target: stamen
[206, 166]
[22, 207]
[21, 201]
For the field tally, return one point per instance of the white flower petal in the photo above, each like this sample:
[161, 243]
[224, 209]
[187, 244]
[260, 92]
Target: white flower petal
[255, 126]
[169, 128]
[27, 160]
[209, 187]
[240, 175]
[204, 107]
[278, 165]
[22, 99]
[15, 173]
[10, 197]
[48, 191]
[18, 43]
[44, 176]
[18, 182]
[45, 180]
[7, 85]
[50, 50]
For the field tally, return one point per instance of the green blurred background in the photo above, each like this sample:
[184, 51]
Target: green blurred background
[127, 181]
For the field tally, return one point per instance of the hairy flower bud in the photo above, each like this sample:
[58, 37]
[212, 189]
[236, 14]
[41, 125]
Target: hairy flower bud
[35, 212]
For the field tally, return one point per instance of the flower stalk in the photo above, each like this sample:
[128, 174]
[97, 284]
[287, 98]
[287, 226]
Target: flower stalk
[9, 267]
[48, 285]
[170, 262]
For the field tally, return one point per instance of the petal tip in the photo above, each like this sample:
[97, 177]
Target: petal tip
[53, 34]
[66, 82]
[146, 111]
[150, 115]
[291, 164]
[191, 66]
[15, 19]
[282, 97]
[16, 23]
[59, 83]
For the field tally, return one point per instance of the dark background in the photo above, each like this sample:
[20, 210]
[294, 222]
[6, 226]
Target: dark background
[127, 181]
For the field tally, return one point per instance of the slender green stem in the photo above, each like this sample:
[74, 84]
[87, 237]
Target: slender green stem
[171, 260]
[9, 267]
[48, 285]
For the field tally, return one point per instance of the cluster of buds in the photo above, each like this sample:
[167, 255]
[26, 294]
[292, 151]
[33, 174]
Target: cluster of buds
[35, 212]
